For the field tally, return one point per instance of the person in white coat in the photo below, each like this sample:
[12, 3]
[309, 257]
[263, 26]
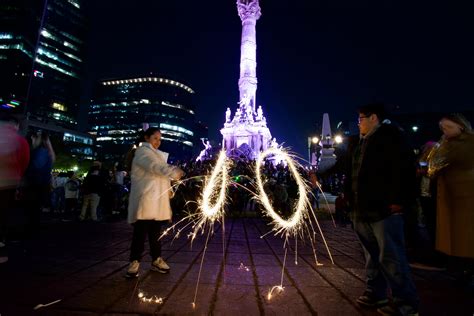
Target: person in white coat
[149, 201]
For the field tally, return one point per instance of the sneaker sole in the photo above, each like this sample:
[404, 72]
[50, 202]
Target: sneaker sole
[131, 275]
[156, 269]
[378, 304]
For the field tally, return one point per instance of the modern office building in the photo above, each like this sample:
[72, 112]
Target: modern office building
[41, 57]
[123, 107]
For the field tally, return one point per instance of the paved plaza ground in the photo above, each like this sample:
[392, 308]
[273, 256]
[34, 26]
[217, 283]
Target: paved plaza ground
[83, 264]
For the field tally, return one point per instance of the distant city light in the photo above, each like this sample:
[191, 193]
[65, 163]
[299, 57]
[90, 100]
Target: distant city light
[415, 128]
[75, 168]
[38, 74]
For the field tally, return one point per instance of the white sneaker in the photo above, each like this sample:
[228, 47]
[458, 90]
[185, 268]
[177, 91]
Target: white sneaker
[160, 265]
[132, 271]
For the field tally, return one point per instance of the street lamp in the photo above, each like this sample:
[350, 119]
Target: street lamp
[313, 143]
[338, 139]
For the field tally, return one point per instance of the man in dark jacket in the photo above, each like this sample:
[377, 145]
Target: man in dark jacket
[380, 186]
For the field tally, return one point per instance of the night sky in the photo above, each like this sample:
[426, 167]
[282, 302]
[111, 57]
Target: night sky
[312, 56]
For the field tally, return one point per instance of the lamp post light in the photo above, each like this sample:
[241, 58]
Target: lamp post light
[313, 142]
[338, 139]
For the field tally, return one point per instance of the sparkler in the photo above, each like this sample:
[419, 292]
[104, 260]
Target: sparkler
[213, 200]
[210, 209]
[300, 224]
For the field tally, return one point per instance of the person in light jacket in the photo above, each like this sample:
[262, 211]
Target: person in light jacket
[149, 201]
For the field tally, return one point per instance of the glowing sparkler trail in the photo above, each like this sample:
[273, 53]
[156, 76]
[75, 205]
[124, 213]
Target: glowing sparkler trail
[293, 225]
[210, 209]
[300, 224]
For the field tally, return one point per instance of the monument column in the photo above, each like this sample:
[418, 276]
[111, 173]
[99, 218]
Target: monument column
[249, 12]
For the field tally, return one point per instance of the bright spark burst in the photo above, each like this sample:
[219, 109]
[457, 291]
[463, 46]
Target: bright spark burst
[276, 287]
[152, 299]
[243, 267]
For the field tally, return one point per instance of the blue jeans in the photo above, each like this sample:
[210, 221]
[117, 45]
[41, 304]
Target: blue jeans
[386, 262]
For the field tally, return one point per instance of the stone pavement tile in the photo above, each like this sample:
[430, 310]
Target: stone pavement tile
[120, 255]
[237, 275]
[444, 298]
[101, 269]
[322, 259]
[60, 290]
[328, 301]
[307, 277]
[214, 248]
[183, 257]
[237, 248]
[238, 258]
[344, 261]
[208, 274]
[265, 260]
[286, 302]
[150, 286]
[98, 296]
[96, 253]
[180, 302]
[236, 300]
[72, 267]
[270, 276]
[340, 278]
[360, 272]
[24, 292]
[177, 271]
[213, 257]
[261, 249]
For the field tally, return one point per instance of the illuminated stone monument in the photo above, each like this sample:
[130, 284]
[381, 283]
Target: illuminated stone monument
[328, 159]
[246, 133]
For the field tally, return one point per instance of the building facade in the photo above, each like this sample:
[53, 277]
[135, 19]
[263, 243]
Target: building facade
[41, 57]
[121, 108]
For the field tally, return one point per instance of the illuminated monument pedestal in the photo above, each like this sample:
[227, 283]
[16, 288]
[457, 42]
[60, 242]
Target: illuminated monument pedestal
[246, 133]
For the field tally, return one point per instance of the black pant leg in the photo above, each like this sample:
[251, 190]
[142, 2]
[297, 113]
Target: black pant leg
[140, 229]
[154, 234]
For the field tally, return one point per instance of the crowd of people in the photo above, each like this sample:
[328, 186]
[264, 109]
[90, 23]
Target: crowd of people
[401, 206]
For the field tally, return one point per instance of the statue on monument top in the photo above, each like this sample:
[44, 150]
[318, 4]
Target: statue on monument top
[227, 115]
[206, 153]
[259, 113]
[244, 102]
[274, 143]
[249, 113]
[248, 8]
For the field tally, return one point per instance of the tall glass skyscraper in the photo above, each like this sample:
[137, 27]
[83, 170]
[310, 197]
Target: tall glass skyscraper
[123, 107]
[41, 57]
